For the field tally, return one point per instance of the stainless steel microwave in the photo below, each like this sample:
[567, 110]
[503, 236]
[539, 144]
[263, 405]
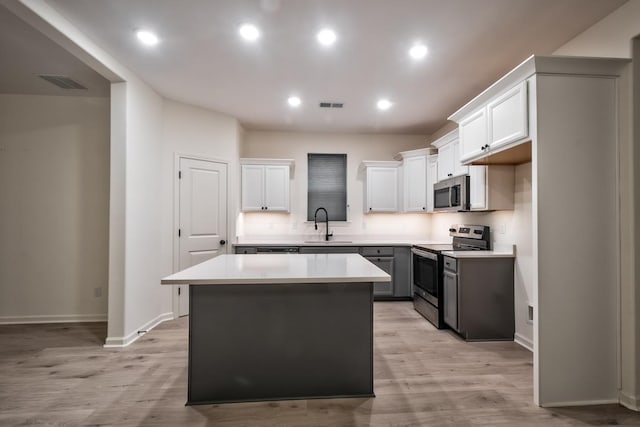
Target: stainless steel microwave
[451, 195]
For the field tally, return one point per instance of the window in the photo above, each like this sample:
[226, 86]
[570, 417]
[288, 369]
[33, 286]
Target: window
[327, 185]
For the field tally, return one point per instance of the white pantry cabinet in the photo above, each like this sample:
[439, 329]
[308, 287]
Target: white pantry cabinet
[449, 156]
[573, 123]
[265, 185]
[381, 186]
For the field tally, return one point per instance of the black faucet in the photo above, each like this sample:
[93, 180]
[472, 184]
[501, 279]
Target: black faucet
[326, 216]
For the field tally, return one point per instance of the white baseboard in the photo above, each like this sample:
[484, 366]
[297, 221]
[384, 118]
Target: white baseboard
[52, 318]
[117, 342]
[523, 341]
[629, 401]
[580, 403]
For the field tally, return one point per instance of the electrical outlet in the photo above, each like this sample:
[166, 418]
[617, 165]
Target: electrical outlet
[97, 292]
[501, 228]
[364, 225]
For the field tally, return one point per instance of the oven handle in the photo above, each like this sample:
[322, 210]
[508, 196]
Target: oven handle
[424, 254]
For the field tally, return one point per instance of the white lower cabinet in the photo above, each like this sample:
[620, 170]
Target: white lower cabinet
[491, 187]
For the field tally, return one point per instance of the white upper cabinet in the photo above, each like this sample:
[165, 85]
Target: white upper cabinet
[415, 184]
[498, 123]
[445, 162]
[415, 180]
[276, 188]
[265, 185]
[473, 134]
[507, 116]
[252, 188]
[381, 193]
[458, 167]
[432, 178]
[449, 156]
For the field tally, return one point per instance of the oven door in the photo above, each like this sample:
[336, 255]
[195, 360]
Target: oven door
[425, 275]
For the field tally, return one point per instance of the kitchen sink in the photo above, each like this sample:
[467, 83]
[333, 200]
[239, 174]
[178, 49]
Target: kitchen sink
[324, 242]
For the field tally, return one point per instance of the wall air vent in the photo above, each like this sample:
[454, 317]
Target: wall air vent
[62, 82]
[325, 104]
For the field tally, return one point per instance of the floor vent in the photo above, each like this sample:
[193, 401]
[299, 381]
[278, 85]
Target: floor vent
[62, 82]
[325, 104]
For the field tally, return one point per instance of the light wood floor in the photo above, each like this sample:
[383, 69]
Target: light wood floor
[61, 375]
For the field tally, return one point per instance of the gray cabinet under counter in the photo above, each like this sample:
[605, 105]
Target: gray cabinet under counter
[479, 297]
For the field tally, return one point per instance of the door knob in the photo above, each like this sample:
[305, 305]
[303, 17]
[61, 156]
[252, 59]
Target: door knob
[222, 242]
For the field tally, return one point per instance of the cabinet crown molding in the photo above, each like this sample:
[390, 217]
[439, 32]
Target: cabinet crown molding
[380, 163]
[570, 65]
[414, 153]
[446, 139]
[280, 162]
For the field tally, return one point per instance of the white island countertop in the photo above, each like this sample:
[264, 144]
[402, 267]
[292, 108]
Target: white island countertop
[279, 268]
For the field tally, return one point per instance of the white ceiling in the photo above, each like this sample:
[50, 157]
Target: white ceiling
[25, 53]
[202, 61]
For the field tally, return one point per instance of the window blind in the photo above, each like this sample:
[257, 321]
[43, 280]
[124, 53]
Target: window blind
[327, 186]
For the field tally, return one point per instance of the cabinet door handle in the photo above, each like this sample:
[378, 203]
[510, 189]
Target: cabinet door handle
[266, 207]
[223, 242]
[369, 208]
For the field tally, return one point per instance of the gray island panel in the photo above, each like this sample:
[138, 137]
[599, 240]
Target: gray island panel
[280, 341]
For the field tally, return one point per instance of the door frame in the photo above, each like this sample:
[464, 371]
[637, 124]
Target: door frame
[176, 216]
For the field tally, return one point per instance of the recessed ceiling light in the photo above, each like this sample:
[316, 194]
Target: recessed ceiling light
[147, 37]
[384, 104]
[249, 32]
[294, 101]
[326, 37]
[418, 51]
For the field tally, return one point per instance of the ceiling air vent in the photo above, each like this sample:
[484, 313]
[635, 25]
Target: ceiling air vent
[325, 104]
[62, 82]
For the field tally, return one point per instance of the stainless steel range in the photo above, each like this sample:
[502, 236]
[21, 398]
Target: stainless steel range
[427, 268]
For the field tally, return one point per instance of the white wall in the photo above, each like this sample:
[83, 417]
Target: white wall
[144, 299]
[358, 147]
[54, 210]
[507, 228]
[193, 131]
[610, 37]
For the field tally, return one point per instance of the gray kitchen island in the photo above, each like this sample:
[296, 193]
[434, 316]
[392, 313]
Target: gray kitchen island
[281, 326]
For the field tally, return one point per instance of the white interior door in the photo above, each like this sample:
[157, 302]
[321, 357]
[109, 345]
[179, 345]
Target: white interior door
[202, 216]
